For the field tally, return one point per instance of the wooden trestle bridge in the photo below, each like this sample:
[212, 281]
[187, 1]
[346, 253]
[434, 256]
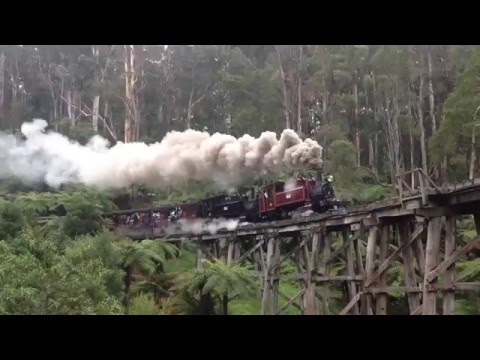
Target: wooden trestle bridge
[417, 228]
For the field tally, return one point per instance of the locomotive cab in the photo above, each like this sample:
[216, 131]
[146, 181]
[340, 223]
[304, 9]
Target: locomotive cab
[278, 200]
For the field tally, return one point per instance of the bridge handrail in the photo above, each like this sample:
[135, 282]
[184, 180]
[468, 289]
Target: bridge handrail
[424, 181]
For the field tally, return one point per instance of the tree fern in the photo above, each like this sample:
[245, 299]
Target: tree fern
[216, 279]
[144, 304]
[468, 270]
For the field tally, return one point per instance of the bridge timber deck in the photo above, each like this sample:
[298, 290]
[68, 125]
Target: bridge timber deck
[417, 228]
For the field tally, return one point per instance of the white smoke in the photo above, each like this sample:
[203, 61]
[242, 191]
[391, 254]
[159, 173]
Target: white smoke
[290, 185]
[180, 156]
[199, 226]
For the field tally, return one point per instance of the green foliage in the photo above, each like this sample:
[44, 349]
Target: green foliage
[144, 304]
[103, 245]
[200, 290]
[185, 261]
[35, 204]
[182, 302]
[219, 278]
[84, 208]
[458, 167]
[351, 182]
[146, 260]
[75, 267]
[82, 132]
[371, 193]
[147, 254]
[407, 124]
[466, 229]
[469, 304]
[469, 270]
[460, 112]
[255, 100]
[341, 163]
[11, 219]
[39, 277]
[76, 210]
[328, 134]
[288, 267]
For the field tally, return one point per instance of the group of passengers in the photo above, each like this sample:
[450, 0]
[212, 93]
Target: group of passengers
[139, 218]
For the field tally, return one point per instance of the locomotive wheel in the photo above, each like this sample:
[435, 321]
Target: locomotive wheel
[280, 214]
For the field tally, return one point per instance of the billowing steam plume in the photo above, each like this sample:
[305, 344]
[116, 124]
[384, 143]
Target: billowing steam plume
[199, 226]
[180, 156]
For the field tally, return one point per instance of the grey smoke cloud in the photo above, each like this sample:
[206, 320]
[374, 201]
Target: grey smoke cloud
[180, 156]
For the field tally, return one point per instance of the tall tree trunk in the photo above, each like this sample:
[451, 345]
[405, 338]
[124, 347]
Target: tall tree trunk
[188, 124]
[14, 87]
[286, 108]
[391, 155]
[371, 154]
[370, 140]
[396, 113]
[132, 119]
[423, 147]
[430, 92]
[394, 149]
[299, 96]
[169, 99]
[392, 134]
[2, 87]
[96, 103]
[395, 133]
[192, 104]
[62, 97]
[225, 304]
[412, 166]
[78, 108]
[375, 120]
[325, 103]
[70, 111]
[357, 130]
[96, 99]
[54, 100]
[398, 153]
[410, 133]
[127, 282]
[473, 156]
[106, 109]
[206, 305]
[48, 75]
[437, 169]
[445, 164]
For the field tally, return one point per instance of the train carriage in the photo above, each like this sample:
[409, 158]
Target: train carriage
[224, 206]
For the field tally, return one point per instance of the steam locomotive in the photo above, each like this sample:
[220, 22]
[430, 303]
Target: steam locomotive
[276, 201]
